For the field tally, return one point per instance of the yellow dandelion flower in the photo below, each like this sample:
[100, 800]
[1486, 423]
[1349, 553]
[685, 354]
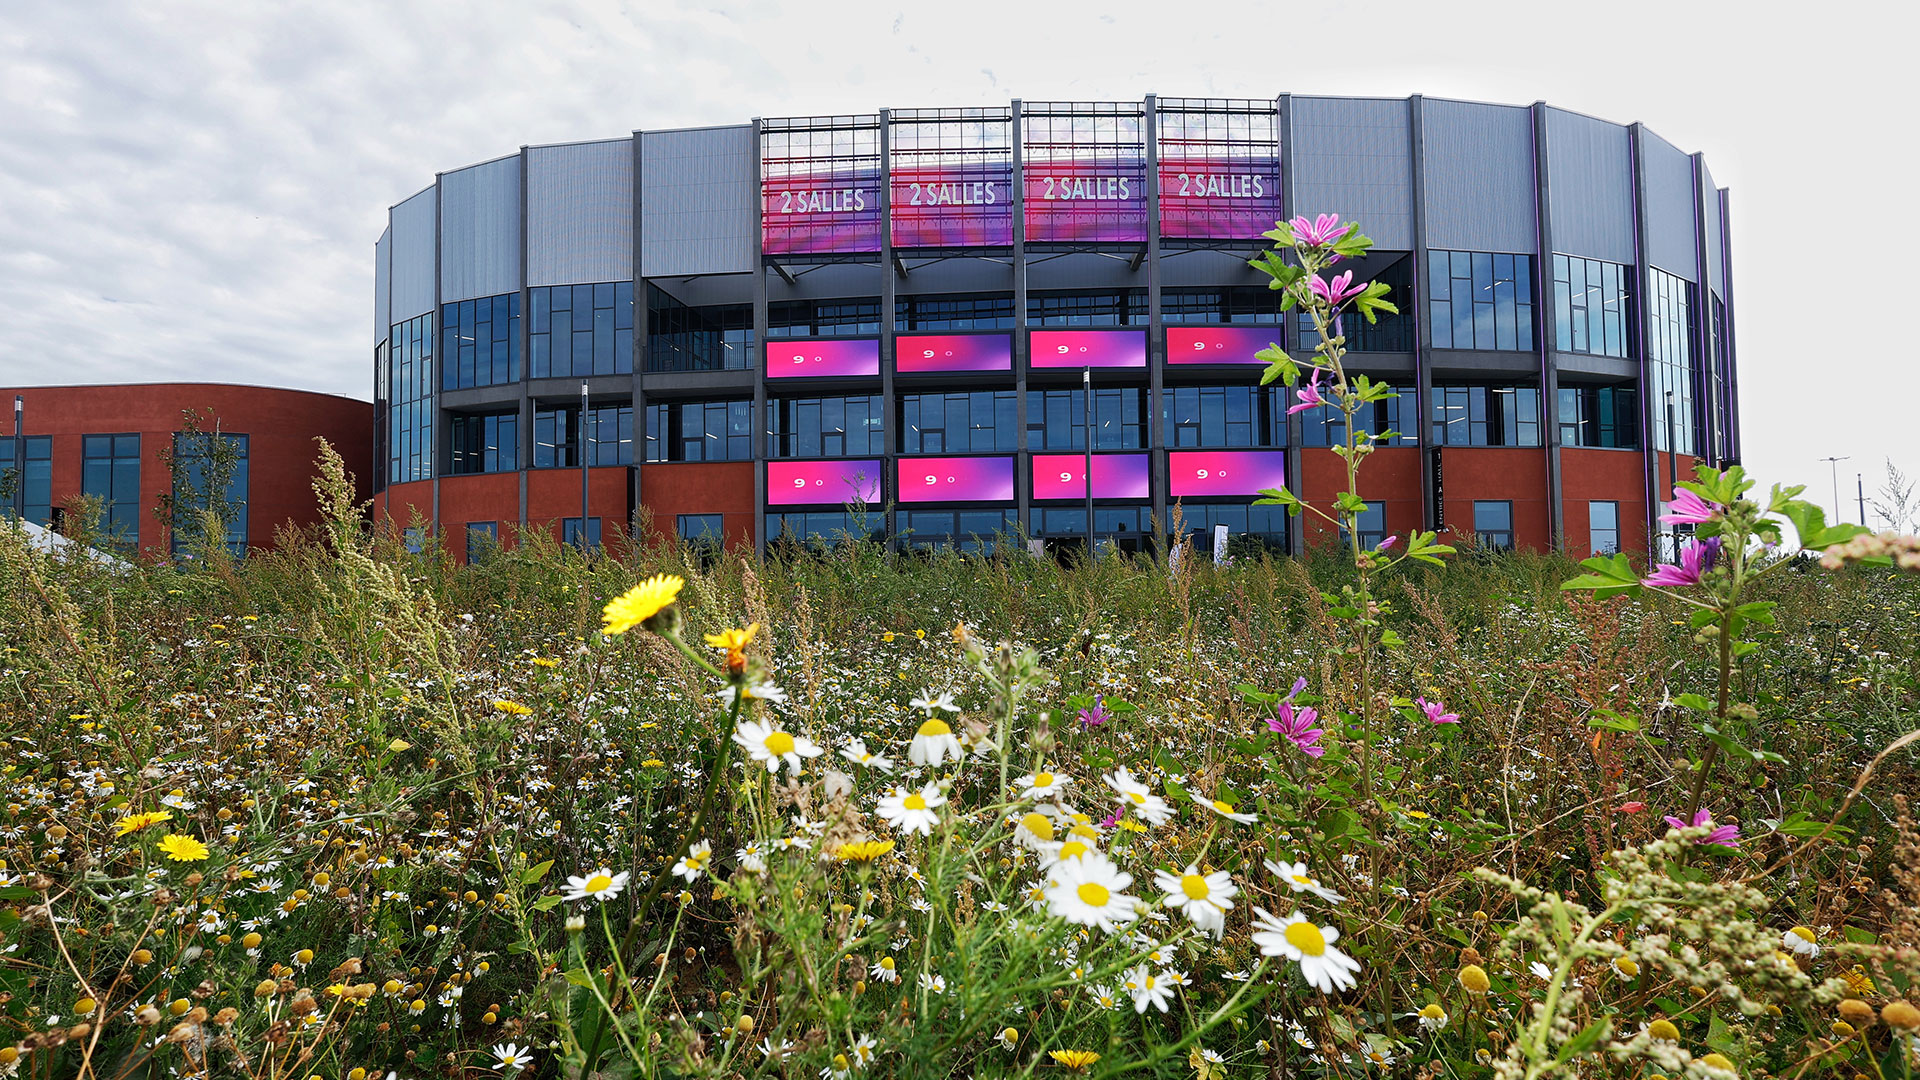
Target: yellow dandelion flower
[182, 848]
[511, 708]
[642, 602]
[733, 640]
[863, 850]
[135, 822]
[545, 661]
[1077, 1060]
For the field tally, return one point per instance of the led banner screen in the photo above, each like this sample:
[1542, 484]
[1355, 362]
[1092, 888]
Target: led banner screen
[1194, 473]
[953, 206]
[1088, 348]
[1115, 476]
[1218, 344]
[917, 353]
[1086, 201]
[1218, 198]
[794, 483]
[807, 358]
[956, 479]
[820, 185]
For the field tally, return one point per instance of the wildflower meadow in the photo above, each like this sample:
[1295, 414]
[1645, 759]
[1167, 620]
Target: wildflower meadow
[345, 810]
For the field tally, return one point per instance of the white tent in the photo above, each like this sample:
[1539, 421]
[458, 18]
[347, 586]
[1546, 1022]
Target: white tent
[41, 538]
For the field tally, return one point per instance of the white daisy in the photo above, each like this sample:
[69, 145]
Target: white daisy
[751, 858]
[761, 691]
[933, 983]
[933, 744]
[1035, 832]
[1089, 891]
[913, 811]
[1432, 1017]
[694, 862]
[1147, 988]
[509, 1057]
[1104, 997]
[1800, 940]
[1136, 795]
[857, 752]
[863, 1050]
[929, 702]
[885, 970]
[603, 884]
[1204, 898]
[764, 743]
[1323, 966]
[1225, 810]
[1043, 784]
[1297, 878]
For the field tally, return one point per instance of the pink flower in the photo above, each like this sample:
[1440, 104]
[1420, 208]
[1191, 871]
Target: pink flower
[1696, 558]
[1436, 712]
[1321, 231]
[1632, 807]
[1690, 509]
[1724, 835]
[1112, 819]
[1309, 395]
[1094, 717]
[1338, 292]
[1297, 726]
[1387, 543]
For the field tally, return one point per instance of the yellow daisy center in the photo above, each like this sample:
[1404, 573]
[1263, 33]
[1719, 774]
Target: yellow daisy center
[1307, 938]
[1433, 1012]
[778, 743]
[886, 963]
[935, 728]
[1302, 879]
[1093, 894]
[1042, 780]
[1072, 848]
[1138, 799]
[1038, 825]
[1195, 886]
[916, 801]
[1223, 807]
[599, 882]
[1802, 933]
[1084, 831]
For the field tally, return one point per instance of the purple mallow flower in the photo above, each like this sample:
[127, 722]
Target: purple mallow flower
[1338, 291]
[1696, 558]
[1690, 509]
[1094, 717]
[1309, 395]
[1724, 835]
[1320, 231]
[1297, 726]
[1387, 543]
[1436, 712]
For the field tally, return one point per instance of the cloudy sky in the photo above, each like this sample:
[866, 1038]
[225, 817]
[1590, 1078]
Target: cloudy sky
[192, 190]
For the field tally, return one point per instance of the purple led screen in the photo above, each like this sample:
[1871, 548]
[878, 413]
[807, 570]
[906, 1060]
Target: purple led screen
[1193, 473]
[1218, 344]
[792, 483]
[954, 206]
[808, 357]
[1115, 476]
[1218, 198]
[916, 353]
[1088, 348]
[818, 214]
[956, 479]
[1083, 201]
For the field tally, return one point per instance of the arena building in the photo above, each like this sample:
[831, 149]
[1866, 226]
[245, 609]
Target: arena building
[890, 322]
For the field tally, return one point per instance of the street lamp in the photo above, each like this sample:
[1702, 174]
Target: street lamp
[1834, 464]
[19, 458]
[1086, 389]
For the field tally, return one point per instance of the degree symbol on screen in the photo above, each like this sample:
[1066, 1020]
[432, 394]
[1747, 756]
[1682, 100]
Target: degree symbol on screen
[949, 479]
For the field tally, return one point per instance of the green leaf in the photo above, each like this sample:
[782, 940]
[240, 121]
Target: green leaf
[546, 903]
[16, 892]
[1583, 1041]
[534, 873]
[1609, 720]
[1277, 497]
[1373, 301]
[579, 977]
[1336, 823]
[1694, 702]
[1390, 639]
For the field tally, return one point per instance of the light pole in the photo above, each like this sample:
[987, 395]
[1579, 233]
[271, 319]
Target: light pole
[1673, 481]
[1086, 389]
[586, 538]
[19, 458]
[1834, 464]
[1860, 490]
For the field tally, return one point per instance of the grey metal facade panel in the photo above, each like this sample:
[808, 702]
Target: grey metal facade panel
[1351, 156]
[1591, 196]
[580, 213]
[1668, 176]
[1479, 176]
[697, 201]
[410, 290]
[480, 230]
[382, 310]
[1716, 234]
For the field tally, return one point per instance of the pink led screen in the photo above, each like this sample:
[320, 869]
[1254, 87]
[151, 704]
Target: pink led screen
[829, 356]
[954, 206]
[1225, 472]
[1088, 348]
[1218, 344]
[806, 214]
[916, 353]
[1218, 198]
[792, 483]
[1072, 200]
[956, 479]
[1115, 476]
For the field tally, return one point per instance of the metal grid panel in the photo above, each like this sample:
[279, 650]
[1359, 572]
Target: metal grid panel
[951, 176]
[480, 230]
[820, 184]
[580, 213]
[1219, 163]
[1085, 165]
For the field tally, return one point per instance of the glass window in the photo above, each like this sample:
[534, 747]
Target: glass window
[196, 469]
[1088, 307]
[1590, 306]
[823, 318]
[38, 479]
[1327, 426]
[824, 426]
[1493, 523]
[581, 330]
[557, 442]
[1120, 522]
[483, 539]
[110, 472]
[409, 399]
[680, 337]
[573, 536]
[1473, 415]
[1266, 525]
[984, 311]
[482, 341]
[1603, 527]
[1254, 305]
[699, 431]
[700, 530]
[1057, 419]
[1670, 361]
[822, 526]
[1391, 333]
[963, 530]
[484, 443]
[1600, 416]
[1198, 416]
[1373, 525]
[1480, 300]
[983, 421]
